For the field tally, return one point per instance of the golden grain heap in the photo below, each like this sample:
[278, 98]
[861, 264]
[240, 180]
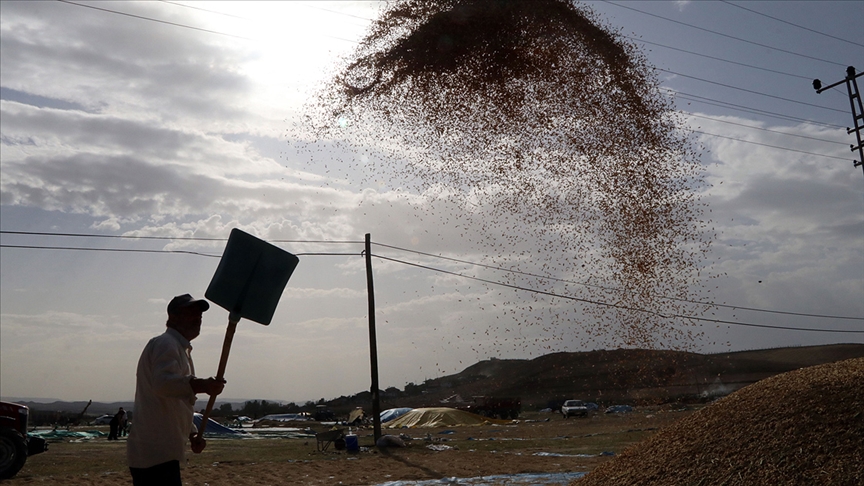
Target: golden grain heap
[531, 123]
[801, 427]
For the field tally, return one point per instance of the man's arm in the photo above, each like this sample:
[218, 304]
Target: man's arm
[210, 386]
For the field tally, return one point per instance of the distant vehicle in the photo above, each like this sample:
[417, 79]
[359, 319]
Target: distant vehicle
[102, 420]
[574, 408]
[503, 407]
[15, 444]
[323, 414]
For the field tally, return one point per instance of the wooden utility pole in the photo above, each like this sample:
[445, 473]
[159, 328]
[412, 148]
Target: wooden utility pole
[373, 345]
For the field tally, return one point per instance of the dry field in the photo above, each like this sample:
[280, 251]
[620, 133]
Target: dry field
[538, 443]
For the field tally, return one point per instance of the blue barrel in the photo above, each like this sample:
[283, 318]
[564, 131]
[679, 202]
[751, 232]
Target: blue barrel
[352, 444]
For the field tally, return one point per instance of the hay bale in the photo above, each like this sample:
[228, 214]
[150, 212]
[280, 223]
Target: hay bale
[801, 427]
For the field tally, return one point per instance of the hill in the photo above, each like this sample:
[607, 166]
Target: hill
[634, 376]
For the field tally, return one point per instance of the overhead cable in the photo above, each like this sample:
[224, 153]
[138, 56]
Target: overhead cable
[135, 250]
[122, 250]
[618, 306]
[132, 250]
[638, 39]
[556, 279]
[141, 17]
[166, 238]
[792, 24]
[175, 24]
[771, 146]
[751, 91]
[755, 111]
[765, 129]
[726, 35]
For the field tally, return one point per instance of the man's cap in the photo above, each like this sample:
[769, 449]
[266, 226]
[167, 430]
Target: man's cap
[184, 301]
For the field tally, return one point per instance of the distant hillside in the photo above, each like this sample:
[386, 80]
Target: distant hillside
[624, 375]
[634, 376]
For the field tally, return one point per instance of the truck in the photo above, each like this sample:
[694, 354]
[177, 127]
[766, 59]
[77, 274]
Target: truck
[15, 444]
[492, 407]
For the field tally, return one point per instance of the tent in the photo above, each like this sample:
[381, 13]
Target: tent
[214, 427]
[394, 413]
[440, 417]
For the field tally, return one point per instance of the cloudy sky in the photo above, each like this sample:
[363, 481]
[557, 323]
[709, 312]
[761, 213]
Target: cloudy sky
[171, 120]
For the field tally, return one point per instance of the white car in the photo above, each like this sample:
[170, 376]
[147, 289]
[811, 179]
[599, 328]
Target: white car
[102, 420]
[574, 408]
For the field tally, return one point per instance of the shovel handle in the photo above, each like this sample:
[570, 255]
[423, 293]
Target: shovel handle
[220, 374]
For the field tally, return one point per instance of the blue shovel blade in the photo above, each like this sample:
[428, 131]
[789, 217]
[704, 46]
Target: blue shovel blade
[250, 277]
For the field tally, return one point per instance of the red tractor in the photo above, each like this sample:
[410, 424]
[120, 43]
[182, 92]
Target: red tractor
[15, 444]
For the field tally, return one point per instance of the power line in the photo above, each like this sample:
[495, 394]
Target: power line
[135, 250]
[253, 20]
[750, 91]
[141, 17]
[175, 24]
[353, 41]
[756, 111]
[338, 12]
[122, 250]
[188, 252]
[166, 238]
[765, 129]
[637, 39]
[208, 10]
[548, 277]
[606, 304]
[794, 25]
[726, 35]
[771, 146]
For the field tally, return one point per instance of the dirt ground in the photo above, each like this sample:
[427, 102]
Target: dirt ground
[539, 443]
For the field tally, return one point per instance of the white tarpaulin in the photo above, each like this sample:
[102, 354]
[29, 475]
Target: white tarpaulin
[440, 417]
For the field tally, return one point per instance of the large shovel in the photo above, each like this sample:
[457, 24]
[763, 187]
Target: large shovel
[248, 284]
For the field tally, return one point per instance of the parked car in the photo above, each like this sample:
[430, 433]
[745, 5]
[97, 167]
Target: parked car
[574, 408]
[102, 420]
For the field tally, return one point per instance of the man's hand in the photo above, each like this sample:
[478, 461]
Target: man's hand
[198, 443]
[210, 386]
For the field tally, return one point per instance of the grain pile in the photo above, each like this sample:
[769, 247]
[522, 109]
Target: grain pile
[801, 427]
[544, 131]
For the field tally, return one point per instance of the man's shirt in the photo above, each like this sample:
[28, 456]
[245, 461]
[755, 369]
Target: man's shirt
[164, 402]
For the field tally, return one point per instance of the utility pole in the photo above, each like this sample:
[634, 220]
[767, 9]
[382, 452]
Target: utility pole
[857, 109]
[373, 344]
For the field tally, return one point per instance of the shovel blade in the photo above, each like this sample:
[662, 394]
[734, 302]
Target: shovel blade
[250, 277]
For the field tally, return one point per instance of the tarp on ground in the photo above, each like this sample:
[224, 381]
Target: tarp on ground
[524, 479]
[214, 427]
[285, 417]
[394, 413]
[440, 417]
[51, 434]
[619, 409]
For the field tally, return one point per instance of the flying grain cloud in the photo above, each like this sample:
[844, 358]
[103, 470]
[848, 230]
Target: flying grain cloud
[543, 128]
